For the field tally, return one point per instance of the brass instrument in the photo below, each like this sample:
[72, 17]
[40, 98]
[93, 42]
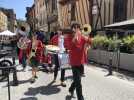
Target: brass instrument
[86, 29]
[23, 43]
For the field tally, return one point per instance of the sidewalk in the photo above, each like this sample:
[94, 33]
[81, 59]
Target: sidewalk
[121, 74]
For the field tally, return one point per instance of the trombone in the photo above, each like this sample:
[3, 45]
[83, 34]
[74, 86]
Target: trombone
[86, 29]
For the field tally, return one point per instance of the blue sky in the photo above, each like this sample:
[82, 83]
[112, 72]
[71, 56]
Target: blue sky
[19, 6]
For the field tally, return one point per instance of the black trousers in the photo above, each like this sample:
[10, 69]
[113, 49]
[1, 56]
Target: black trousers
[76, 84]
[24, 58]
[82, 69]
[57, 66]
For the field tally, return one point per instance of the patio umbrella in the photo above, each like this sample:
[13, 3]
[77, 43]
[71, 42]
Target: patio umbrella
[7, 33]
[7, 36]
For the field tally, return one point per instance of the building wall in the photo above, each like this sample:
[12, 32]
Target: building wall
[81, 13]
[3, 21]
[64, 15]
[106, 13]
[52, 14]
[130, 9]
[36, 2]
[41, 15]
[31, 18]
[11, 17]
[108, 10]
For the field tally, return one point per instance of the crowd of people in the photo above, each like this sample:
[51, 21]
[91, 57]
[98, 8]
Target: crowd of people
[74, 43]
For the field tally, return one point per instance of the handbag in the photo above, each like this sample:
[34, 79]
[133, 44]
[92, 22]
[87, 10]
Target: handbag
[64, 60]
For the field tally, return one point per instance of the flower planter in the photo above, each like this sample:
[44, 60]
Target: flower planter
[126, 60]
[102, 56]
[93, 55]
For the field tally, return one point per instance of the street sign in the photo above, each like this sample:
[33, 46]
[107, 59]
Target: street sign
[94, 9]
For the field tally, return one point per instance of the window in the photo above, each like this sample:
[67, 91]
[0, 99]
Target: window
[54, 5]
[73, 6]
[120, 10]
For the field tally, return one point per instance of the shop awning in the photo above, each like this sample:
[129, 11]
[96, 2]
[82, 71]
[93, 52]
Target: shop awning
[126, 25]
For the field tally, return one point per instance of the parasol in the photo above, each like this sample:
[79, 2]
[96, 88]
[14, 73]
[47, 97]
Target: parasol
[7, 33]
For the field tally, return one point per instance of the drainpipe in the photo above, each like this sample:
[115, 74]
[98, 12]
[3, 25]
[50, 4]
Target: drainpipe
[73, 6]
[90, 12]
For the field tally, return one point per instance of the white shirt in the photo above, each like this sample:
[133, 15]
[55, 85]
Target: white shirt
[61, 43]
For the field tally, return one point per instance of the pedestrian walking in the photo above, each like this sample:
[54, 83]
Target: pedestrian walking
[76, 46]
[58, 40]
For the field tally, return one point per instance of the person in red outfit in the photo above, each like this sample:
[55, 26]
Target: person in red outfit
[76, 45]
[55, 41]
[23, 41]
[35, 55]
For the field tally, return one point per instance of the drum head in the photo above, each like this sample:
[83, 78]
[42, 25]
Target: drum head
[52, 48]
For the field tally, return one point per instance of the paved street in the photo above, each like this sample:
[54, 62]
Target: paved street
[95, 87]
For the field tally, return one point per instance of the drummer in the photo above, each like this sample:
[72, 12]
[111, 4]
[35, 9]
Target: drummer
[58, 40]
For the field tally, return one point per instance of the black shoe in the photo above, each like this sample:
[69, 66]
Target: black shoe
[83, 75]
[35, 76]
[24, 69]
[82, 98]
[54, 80]
[32, 80]
[71, 93]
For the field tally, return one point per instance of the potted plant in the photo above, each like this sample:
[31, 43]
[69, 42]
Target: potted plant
[100, 42]
[129, 43]
[114, 43]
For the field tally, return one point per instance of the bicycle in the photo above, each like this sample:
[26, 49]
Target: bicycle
[4, 63]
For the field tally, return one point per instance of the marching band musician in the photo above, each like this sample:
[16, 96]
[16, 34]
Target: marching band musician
[35, 55]
[22, 44]
[76, 46]
[58, 40]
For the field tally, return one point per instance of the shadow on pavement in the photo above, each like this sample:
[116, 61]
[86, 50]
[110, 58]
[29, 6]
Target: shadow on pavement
[20, 82]
[44, 90]
[120, 73]
[125, 77]
[29, 98]
[3, 79]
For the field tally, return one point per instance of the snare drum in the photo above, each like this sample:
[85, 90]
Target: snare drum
[64, 60]
[51, 49]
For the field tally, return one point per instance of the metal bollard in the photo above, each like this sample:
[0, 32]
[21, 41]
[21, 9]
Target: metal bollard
[13, 59]
[15, 80]
[110, 67]
[9, 96]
